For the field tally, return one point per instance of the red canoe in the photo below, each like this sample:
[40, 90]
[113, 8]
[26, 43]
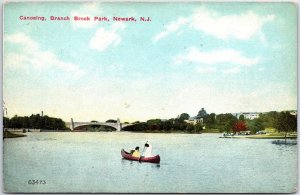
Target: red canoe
[128, 156]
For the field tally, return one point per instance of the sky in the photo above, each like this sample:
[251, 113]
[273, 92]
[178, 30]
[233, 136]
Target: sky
[224, 57]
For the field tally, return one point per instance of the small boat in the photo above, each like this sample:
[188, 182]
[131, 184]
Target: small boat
[128, 156]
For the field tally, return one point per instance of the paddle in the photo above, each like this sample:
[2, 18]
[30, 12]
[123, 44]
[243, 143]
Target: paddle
[142, 152]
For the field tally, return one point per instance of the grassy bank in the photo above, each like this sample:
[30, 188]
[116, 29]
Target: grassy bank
[165, 131]
[275, 135]
[7, 134]
[270, 137]
[261, 137]
[210, 131]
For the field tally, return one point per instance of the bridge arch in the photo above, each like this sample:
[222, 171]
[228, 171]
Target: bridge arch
[78, 125]
[86, 127]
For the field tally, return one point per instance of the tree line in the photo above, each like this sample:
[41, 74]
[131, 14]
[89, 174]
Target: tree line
[34, 122]
[166, 126]
[282, 121]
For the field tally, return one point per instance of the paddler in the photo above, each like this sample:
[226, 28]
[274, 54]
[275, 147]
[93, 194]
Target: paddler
[136, 152]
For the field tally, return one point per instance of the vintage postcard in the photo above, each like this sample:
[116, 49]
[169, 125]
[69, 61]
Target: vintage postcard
[150, 97]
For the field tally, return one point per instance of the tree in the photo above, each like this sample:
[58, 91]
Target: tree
[286, 123]
[111, 121]
[136, 127]
[26, 122]
[242, 117]
[210, 120]
[189, 128]
[35, 122]
[154, 124]
[179, 124]
[225, 122]
[16, 122]
[239, 126]
[255, 125]
[227, 127]
[167, 125]
[198, 128]
[269, 119]
[184, 116]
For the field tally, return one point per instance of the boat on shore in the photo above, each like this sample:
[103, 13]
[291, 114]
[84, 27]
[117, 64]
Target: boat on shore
[128, 156]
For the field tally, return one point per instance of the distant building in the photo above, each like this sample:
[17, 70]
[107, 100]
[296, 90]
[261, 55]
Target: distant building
[247, 115]
[194, 120]
[254, 115]
[197, 119]
[202, 113]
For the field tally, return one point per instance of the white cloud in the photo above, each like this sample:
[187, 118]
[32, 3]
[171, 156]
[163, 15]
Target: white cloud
[21, 38]
[172, 27]
[15, 60]
[242, 26]
[90, 9]
[194, 55]
[212, 61]
[32, 55]
[237, 26]
[104, 38]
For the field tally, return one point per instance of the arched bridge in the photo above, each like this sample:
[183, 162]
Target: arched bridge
[118, 125]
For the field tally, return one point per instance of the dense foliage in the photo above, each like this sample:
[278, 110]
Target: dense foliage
[269, 119]
[184, 116]
[34, 122]
[111, 121]
[225, 122]
[171, 125]
[286, 122]
[255, 125]
[281, 121]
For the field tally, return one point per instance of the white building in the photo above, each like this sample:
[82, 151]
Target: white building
[194, 120]
[247, 115]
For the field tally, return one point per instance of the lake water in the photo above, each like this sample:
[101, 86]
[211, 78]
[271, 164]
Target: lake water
[91, 162]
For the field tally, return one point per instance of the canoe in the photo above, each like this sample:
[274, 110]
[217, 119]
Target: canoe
[128, 156]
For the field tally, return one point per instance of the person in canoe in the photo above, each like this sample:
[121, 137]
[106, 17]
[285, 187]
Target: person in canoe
[136, 152]
[148, 150]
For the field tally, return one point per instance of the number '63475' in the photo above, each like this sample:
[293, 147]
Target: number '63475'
[36, 182]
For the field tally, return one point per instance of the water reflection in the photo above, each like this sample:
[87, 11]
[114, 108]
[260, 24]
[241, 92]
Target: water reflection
[284, 142]
[131, 162]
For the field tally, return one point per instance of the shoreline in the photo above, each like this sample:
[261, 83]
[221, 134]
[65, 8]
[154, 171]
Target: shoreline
[16, 133]
[259, 137]
[8, 134]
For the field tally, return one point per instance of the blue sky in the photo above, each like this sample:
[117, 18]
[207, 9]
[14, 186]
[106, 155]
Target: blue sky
[225, 57]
